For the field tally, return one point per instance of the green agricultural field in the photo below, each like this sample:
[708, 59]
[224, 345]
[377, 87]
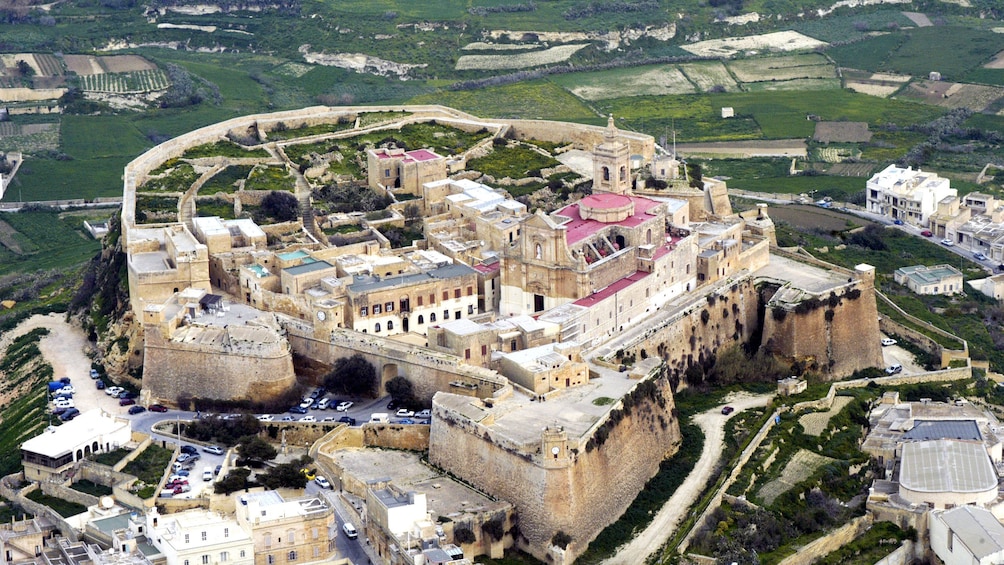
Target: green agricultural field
[708, 75]
[855, 25]
[980, 75]
[539, 99]
[838, 188]
[694, 118]
[96, 137]
[869, 54]
[953, 51]
[48, 240]
[638, 81]
[514, 162]
[798, 84]
[226, 180]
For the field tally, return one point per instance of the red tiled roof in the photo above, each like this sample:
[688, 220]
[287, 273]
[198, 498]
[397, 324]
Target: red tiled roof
[579, 229]
[603, 294]
[604, 201]
[487, 269]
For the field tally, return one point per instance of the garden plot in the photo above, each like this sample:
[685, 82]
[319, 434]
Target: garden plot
[794, 84]
[126, 83]
[782, 68]
[954, 95]
[125, 63]
[801, 466]
[10, 61]
[731, 46]
[653, 81]
[485, 46]
[876, 84]
[83, 65]
[709, 75]
[519, 60]
[815, 423]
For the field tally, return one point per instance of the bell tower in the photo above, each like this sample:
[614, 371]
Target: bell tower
[611, 163]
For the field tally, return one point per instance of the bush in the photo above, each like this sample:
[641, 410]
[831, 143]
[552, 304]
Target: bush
[282, 206]
[354, 376]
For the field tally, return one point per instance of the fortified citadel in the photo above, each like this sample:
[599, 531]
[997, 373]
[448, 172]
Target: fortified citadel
[514, 324]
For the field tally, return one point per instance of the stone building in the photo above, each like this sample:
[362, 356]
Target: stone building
[22, 541]
[197, 536]
[162, 261]
[545, 368]
[936, 279]
[967, 535]
[480, 343]
[221, 236]
[287, 531]
[404, 170]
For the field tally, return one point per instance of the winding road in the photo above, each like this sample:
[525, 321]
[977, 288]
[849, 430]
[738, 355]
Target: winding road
[665, 523]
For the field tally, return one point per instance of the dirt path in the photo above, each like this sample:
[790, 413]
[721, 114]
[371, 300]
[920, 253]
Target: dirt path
[664, 525]
[65, 349]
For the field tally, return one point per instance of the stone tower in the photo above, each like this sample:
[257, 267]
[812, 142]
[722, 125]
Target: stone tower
[554, 447]
[611, 163]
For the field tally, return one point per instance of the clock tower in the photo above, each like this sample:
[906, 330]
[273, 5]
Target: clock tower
[327, 316]
[611, 163]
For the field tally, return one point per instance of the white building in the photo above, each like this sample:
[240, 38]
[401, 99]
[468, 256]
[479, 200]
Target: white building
[937, 279]
[967, 535]
[58, 448]
[200, 537]
[907, 194]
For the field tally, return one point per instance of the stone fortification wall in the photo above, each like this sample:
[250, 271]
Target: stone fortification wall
[580, 495]
[723, 314]
[836, 333]
[412, 437]
[173, 369]
[586, 137]
[429, 371]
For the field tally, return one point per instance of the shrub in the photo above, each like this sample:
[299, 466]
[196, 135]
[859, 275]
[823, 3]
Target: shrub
[282, 206]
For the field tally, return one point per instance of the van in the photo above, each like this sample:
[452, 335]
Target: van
[380, 417]
[207, 473]
[350, 530]
[324, 403]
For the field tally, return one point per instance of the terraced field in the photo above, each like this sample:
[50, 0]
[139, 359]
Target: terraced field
[801, 466]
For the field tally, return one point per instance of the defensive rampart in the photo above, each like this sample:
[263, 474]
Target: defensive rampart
[579, 492]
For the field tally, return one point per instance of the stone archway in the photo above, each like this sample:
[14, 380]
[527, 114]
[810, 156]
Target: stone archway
[388, 372]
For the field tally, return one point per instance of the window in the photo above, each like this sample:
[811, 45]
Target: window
[456, 314]
[313, 533]
[419, 300]
[376, 328]
[512, 345]
[204, 536]
[456, 293]
[268, 541]
[389, 307]
[470, 291]
[386, 172]
[243, 553]
[226, 532]
[390, 325]
[484, 350]
[432, 299]
[446, 295]
[205, 559]
[421, 319]
[364, 311]
[271, 560]
[224, 556]
[291, 556]
[470, 309]
[376, 309]
[187, 538]
[467, 353]
[446, 314]
[538, 251]
[432, 317]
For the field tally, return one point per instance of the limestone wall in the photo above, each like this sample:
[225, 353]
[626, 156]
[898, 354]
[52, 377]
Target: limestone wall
[413, 437]
[172, 369]
[581, 496]
[832, 541]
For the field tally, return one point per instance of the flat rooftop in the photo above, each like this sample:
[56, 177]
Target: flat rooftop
[309, 267]
[947, 466]
[925, 430]
[803, 275]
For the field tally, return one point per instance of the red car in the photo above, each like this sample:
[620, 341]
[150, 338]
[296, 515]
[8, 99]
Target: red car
[728, 410]
[926, 233]
[127, 401]
[157, 408]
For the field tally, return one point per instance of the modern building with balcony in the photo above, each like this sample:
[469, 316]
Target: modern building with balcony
[908, 195]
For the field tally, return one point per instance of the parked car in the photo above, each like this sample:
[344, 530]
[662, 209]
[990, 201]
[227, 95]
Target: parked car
[113, 391]
[405, 413]
[127, 401]
[158, 408]
[182, 488]
[265, 417]
[424, 414]
[70, 414]
[94, 374]
[136, 410]
[286, 419]
[58, 411]
[888, 341]
[323, 403]
[979, 256]
[298, 410]
[926, 233]
[65, 380]
[893, 369]
[306, 403]
[214, 449]
[898, 222]
[344, 406]
[728, 410]
[99, 384]
[308, 419]
[188, 457]
[947, 242]
[347, 420]
[189, 449]
[309, 473]
[1000, 267]
[216, 471]
[67, 389]
[406, 421]
[322, 482]
[392, 405]
[207, 473]
[63, 403]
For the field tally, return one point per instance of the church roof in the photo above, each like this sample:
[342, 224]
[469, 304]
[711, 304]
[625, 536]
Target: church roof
[578, 229]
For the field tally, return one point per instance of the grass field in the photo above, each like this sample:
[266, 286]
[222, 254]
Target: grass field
[953, 51]
[98, 137]
[55, 242]
[710, 74]
[647, 80]
[537, 99]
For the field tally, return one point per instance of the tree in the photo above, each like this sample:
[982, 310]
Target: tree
[254, 448]
[412, 212]
[25, 69]
[696, 177]
[236, 479]
[286, 475]
[352, 375]
[401, 390]
[280, 205]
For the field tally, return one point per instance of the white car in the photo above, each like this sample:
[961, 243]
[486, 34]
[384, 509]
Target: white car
[424, 414]
[405, 413]
[947, 242]
[266, 418]
[308, 419]
[322, 482]
[888, 341]
[63, 403]
[344, 406]
[306, 403]
[67, 389]
[114, 391]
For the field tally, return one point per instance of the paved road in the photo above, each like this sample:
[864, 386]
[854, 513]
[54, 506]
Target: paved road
[665, 523]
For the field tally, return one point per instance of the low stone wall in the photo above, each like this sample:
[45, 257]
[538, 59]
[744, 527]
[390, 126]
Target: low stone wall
[18, 496]
[413, 437]
[65, 492]
[903, 555]
[143, 444]
[832, 541]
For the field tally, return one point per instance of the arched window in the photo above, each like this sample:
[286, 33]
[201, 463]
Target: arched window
[648, 237]
[538, 251]
[623, 175]
[292, 555]
[390, 325]
[606, 173]
[421, 319]
[376, 328]
[432, 317]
